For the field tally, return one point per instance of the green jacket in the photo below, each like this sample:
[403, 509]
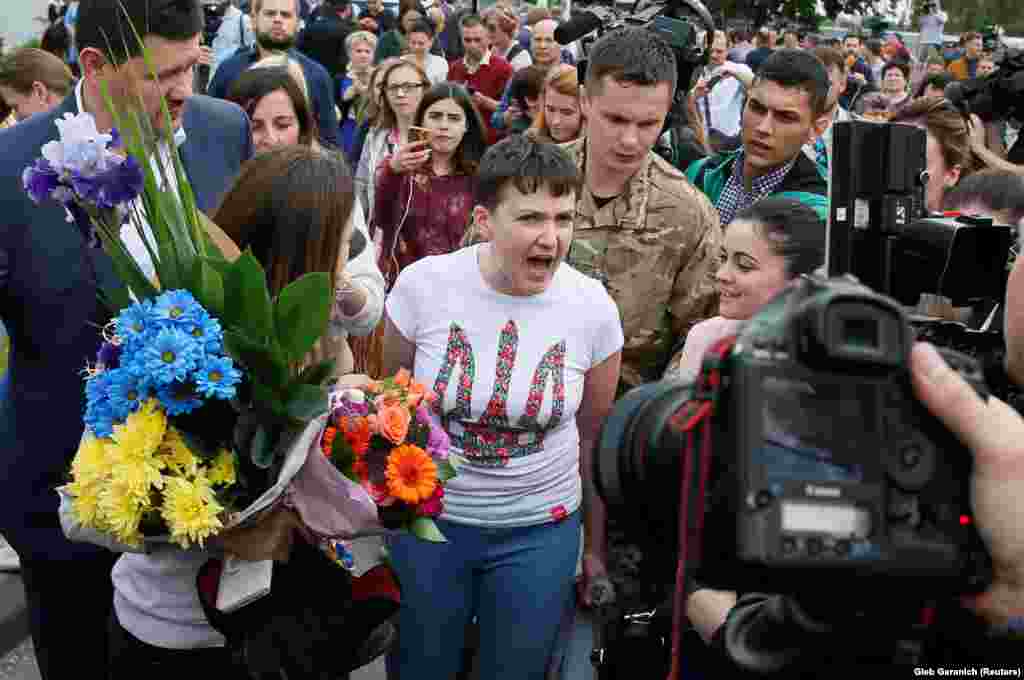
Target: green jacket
[804, 182]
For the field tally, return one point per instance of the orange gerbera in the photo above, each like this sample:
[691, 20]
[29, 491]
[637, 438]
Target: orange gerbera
[327, 442]
[357, 434]
[411, 474]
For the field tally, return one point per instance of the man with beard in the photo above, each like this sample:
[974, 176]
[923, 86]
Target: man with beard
[275, 23]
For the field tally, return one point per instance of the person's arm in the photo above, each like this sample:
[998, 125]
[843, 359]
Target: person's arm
[708, 609]
[599, 386]
[399, 352]
[694, 296]
[498, 117]
[222, 78]
[360, 301]
[327, 115]
[994, 433]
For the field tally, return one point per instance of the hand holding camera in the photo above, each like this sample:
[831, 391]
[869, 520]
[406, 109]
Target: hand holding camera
[995, 435]
[411, 157]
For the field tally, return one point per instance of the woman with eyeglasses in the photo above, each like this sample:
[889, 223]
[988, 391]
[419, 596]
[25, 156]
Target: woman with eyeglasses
[424, 190]
[401, 85]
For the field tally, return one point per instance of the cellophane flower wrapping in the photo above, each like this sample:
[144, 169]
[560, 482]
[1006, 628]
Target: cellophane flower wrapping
[388, 446]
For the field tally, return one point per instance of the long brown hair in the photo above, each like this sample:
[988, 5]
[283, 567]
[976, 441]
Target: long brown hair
[291, 206]
[949, 127]
[385, 118]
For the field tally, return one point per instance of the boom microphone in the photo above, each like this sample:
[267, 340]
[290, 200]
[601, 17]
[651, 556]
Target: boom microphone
[577, 27]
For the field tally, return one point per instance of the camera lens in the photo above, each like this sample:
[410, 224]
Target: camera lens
[638, 455]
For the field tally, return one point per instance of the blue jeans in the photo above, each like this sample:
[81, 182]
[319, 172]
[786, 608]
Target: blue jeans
[516, 581]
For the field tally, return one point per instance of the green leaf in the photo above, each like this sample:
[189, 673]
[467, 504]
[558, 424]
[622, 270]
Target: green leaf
[246, 300]
[127, 270]
[343, 457]
[317, 374]
[260, 450]
[305, 402]
[208, 287]
[301, 313]
[445, 471]
[265, 399]
[218, 262]
[115, 298]
[424, 528]
[264, 364]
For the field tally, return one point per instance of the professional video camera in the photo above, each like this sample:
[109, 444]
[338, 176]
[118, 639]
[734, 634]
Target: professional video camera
[999, 96]
[686, 25]
[800, 463]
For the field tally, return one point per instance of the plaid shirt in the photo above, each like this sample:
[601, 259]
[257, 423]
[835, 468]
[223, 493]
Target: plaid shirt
[735, 197]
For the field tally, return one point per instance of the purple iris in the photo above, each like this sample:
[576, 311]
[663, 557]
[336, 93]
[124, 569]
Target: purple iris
[109, 355]
[40, 180]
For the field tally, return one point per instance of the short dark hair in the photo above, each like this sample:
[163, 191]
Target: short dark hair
[801, 70]
[527, 165]
[422, 26]
[474, 141]
[256, 83]
[903, 66]
[110, 26]
[470, 20]
[631, 55]
[794, 231]
[874, 46]
[853, 35]
[998, 190]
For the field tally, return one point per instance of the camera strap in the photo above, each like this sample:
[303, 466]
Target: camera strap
[695, 420]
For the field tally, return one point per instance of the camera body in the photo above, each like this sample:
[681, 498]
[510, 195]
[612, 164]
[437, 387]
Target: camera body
[837, 469]
[817, 471]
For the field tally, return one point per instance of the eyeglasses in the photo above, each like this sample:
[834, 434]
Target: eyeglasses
[403, 88]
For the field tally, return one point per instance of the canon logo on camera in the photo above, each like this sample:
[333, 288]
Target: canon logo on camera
[822, 491]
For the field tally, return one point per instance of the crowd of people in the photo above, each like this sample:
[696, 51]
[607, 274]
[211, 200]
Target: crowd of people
[477, 204]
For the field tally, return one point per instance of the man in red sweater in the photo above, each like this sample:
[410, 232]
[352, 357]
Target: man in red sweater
[484, 73]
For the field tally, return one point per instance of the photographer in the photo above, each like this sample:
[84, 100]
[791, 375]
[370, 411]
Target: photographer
[720, 94]
[787, 107]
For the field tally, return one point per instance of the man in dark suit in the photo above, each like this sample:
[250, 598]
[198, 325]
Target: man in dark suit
[275, 24]
[323, 39]
[49, 279]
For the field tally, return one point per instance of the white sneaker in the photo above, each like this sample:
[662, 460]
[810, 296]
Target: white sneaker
[8, 558]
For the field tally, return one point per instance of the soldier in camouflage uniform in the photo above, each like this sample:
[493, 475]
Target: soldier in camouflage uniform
[653, 246]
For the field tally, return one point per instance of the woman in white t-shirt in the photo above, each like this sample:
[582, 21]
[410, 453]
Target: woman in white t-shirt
[524, 354]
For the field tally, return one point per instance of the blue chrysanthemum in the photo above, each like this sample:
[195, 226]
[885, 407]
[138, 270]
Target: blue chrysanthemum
[169, 356]
[179, 398]
[135, 323]
[99, 416]
[127, 392]
[176, 307]
[207, 332]
[217, 378]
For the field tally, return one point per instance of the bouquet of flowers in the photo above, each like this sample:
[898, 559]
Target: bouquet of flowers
[202, 391]
[385, 439]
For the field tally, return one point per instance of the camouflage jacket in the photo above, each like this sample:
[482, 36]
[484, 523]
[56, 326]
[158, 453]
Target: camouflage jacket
[654, 247]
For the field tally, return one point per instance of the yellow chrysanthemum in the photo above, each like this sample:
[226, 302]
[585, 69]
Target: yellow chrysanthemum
[134, 464]
[91, 462]
[222, 470]
[122, 510]
[176, 454]
[86, 504]
[190, 509]
[143, 431]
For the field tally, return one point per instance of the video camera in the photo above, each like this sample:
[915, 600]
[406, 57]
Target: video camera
[995, 97]
[686, 25]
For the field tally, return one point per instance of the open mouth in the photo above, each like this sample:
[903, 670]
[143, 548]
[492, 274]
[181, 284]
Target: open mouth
[541, 264]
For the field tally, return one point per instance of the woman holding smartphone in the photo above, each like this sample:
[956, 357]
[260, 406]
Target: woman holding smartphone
[424, 190]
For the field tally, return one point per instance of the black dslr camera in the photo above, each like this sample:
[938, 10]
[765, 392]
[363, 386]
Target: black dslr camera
[801, 462]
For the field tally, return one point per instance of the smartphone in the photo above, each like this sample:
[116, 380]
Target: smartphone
[419, 134]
